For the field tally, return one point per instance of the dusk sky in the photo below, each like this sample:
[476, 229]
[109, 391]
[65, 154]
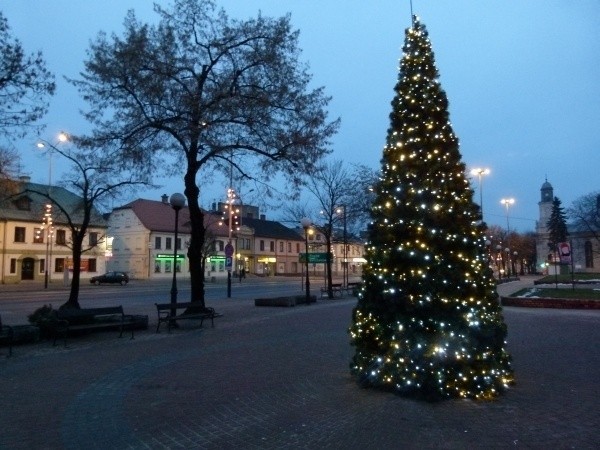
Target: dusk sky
[522, 78]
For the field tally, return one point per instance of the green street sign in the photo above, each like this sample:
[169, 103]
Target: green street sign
[314, 258]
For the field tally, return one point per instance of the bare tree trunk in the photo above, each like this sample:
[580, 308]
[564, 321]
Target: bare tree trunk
[195, 253]
[73, 301]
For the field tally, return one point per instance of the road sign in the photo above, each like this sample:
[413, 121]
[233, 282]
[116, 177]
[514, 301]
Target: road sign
[229, 250]
[314, 258]
[228, 263]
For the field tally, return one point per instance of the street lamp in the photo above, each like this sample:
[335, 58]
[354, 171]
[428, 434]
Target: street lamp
[342, 210]
[48, 226]
[177, 202]
[507, 202]
[480, 172]
[62, 137]
[305, 222]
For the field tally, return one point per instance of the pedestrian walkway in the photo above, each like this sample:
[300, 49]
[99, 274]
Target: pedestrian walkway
[271, 378]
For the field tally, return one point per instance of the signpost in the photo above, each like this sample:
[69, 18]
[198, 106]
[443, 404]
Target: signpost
[313, 258]
[229, 263]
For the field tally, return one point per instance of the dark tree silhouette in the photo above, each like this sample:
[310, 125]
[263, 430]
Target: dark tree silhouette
[198, 93]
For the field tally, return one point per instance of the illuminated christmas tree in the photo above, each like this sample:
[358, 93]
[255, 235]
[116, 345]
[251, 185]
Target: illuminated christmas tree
[428, 322]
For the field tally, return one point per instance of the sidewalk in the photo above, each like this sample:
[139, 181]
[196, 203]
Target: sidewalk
[272, 378]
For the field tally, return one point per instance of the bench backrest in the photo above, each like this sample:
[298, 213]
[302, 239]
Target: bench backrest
[89, 312]
[168, 306]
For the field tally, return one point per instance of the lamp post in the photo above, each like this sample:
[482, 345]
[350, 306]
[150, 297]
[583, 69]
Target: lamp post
[62, 137]
[480, 172]
[508, 202]
[342, 210]
[305, 222]
[177, 202]
[48, 226]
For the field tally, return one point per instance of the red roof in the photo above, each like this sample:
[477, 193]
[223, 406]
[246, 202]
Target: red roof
[159, 216]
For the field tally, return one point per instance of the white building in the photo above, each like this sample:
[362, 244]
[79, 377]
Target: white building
[585, 249]
[35, 238]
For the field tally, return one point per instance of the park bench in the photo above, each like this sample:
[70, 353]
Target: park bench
[7, 335]
[335, 287]
[167, 313]
[72, 319]
[350, 287]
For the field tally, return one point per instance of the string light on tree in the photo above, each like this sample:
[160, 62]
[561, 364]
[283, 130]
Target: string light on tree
[428, 322]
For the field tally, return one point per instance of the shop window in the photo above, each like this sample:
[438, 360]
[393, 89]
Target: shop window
[59, 265]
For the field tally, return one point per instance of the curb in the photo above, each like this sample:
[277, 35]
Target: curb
[544, 302]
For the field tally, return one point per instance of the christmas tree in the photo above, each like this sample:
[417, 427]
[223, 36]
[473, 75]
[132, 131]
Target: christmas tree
[428, 322]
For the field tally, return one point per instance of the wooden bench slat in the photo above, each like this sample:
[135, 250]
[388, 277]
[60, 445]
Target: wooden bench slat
[64, 317]
[164, 314]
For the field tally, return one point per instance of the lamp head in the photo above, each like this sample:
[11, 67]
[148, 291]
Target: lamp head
[177, 201]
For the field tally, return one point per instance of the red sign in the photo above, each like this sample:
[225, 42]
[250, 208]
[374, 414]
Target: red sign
[564, 252]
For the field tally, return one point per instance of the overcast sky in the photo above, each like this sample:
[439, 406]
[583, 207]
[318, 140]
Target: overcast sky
[521, 76]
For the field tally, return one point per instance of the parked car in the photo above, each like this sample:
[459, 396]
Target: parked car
[111, 277]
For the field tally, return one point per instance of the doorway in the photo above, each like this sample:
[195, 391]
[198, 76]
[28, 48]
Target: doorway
[27, 269]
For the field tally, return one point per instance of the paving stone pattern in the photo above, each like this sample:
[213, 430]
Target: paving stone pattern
[272, 378]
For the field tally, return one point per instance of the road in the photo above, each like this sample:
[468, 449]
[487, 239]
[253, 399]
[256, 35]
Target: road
[138, 297]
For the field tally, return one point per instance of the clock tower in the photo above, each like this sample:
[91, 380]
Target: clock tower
[545, 205]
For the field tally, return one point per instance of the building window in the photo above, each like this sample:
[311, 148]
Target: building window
[93, 239]
[297, 247]
[168, 244]
[272, 246]
[92, 265]
[61, 237]
[13, 265]
[42, 265]
[289, 247]
[178, 243]
[247, 244]
[19, 234]
[281, 247]
[59, 265]
[262, 246]
[167, 266]
[157, 266]
[38, 235]
[589, 255]
[157, 243]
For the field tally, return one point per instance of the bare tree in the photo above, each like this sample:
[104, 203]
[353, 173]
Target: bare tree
[25, 88]
[585, 214]
[200, 92]
[332, 188]
[95, 181]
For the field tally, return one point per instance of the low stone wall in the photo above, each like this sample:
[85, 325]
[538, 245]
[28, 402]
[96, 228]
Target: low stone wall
[544, 302]
[284, 301]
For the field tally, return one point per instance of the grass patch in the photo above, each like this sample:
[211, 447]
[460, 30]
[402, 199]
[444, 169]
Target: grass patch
[587, 294]
[567, 278]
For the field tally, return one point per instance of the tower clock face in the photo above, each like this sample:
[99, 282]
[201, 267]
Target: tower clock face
[547, 196]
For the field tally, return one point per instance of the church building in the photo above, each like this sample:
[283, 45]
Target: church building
[584, 246]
